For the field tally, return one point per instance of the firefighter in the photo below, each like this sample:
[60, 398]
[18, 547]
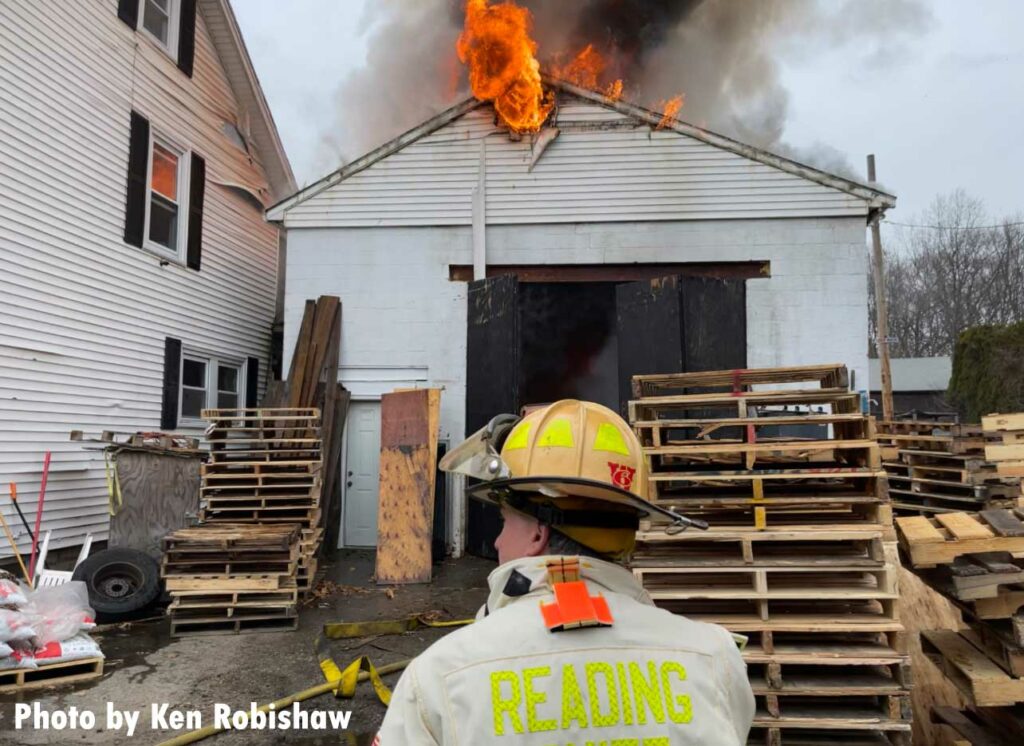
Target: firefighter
[569, 650]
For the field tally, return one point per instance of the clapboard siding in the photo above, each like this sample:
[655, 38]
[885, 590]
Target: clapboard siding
[83, 316]
[603, 167]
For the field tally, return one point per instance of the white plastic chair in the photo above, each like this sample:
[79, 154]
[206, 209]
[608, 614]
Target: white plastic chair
[48, 578]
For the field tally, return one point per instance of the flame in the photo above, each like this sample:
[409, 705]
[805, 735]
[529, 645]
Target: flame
[586, 70]
[495, 43]
[614, 91]
[669, 109]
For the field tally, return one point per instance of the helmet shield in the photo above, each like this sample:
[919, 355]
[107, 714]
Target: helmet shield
[479, 455]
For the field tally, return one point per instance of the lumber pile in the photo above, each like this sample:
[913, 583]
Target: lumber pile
[801, 554]
[232, 578]
[312, 382]
[266, 467]
[937, 466]
[974, 559]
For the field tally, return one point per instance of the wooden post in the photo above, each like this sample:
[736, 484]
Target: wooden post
[881, 306]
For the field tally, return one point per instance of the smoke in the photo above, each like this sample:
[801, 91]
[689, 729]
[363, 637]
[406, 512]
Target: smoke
[726, 56]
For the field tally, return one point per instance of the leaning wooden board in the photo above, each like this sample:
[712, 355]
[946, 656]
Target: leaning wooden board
[408, 463]
[946, 536]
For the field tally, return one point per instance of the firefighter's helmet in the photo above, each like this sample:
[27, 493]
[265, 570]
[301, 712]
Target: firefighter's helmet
[574, 465]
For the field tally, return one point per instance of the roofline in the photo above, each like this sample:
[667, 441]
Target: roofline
[276, 211]
[877, 199]
[261, 101]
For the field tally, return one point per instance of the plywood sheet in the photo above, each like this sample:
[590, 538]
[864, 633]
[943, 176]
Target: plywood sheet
[160, 493]
[408, 459]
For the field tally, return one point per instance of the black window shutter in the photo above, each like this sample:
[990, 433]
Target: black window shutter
[138, 165]
[128, 11]
[172, 383]
[187, 36]
[197, 190]
[252, 381]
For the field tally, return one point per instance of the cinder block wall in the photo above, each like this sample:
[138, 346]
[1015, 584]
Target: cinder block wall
[400, 309]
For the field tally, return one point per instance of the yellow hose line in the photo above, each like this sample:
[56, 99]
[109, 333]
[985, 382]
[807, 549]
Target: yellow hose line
[315, 691]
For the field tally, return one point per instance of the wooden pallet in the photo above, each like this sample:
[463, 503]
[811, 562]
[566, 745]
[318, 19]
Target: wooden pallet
[220, 583]
[231, 537]
[215, 626]
[977, 677]
[667, 431]
[50, 674]
[742, 404]
[832, 375]
[943, 538]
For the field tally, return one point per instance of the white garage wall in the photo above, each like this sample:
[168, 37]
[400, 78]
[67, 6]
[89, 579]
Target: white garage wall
[400, 309]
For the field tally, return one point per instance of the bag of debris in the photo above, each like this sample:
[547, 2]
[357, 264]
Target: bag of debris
[5, 650]
[60, 611]
[15, 625]
[77, 648]
[11, 594]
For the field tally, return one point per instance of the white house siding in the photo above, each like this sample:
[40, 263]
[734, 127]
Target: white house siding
[603, 167]
[401, 310]
[83, 316]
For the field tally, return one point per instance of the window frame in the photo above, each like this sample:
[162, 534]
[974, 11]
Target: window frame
[212, 363]
[178, 253]
[173, 24]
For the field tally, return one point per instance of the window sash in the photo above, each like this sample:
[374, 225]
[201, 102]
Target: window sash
[212, 392]
[167, 12]
[177, 207]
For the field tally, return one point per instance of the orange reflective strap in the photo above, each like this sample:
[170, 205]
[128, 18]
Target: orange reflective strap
[574, 607]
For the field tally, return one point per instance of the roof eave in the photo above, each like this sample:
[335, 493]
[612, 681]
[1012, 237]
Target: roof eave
[268, 141]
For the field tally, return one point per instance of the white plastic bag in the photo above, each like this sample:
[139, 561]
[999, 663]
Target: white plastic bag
[15, 625]
[11, 594]
[60, 612]
[77, 648]
[5, 650]
[22, 655]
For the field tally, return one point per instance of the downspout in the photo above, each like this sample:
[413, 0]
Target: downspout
[480, 216]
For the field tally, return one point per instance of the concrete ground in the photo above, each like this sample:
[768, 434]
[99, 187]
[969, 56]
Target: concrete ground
[145, 666]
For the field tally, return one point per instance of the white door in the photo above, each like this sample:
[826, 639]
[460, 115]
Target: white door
[362, 475]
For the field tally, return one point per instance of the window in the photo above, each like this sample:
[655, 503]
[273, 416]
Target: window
[167, 197]
[159, 19]
[208, 382]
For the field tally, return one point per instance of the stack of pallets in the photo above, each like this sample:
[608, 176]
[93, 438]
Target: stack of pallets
[1006, 443]
[973, 559]
[937, 466]
[801, 554]
[266, 467]
[226, 577]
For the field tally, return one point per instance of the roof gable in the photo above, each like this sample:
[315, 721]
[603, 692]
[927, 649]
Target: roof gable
[608, 162]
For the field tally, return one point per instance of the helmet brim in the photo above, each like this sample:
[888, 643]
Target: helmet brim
[492, 492]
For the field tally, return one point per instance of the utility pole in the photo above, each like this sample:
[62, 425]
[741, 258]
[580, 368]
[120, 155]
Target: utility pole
[881, 306]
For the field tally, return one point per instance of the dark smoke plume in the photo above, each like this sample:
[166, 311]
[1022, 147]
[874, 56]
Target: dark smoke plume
[723, 55]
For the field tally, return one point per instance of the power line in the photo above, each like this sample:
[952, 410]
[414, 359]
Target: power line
[954, 227]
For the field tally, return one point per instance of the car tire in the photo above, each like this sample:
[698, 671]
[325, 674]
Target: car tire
[121, 582]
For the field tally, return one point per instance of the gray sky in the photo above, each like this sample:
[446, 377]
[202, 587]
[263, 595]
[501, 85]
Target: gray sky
[944, 110]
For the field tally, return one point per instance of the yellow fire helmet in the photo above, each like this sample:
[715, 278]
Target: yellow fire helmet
[574, 465]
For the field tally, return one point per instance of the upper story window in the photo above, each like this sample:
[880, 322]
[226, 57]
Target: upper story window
[160, 19]
[168, 173]
[164, 197]
[171, 24]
